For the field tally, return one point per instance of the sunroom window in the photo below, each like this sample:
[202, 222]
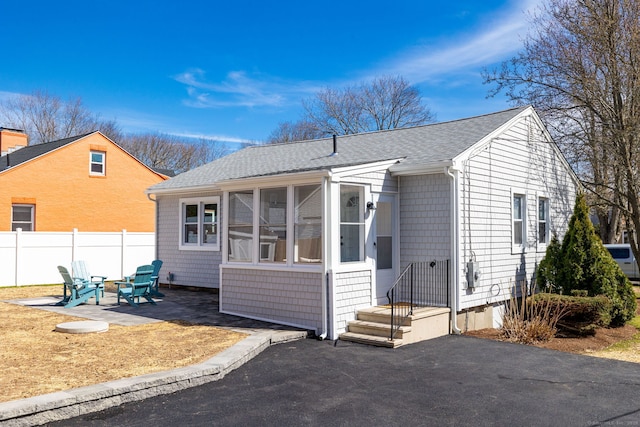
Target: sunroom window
[308, 224]
[240, 227]
[273, 224]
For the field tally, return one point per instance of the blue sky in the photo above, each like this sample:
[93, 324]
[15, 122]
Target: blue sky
[233, 70]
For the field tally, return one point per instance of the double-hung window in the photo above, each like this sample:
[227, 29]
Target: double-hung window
[22, 216]
[543, 221]
[199, 224]
[97, 162]
[351, 223]
[518, 229]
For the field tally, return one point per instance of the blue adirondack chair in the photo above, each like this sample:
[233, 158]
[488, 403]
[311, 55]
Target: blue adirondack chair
[157, 264]
[140, 287]
[77, 291]
[81, 272]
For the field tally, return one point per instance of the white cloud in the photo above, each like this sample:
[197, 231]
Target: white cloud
[494, 41]
[239, 89]
[222, 138]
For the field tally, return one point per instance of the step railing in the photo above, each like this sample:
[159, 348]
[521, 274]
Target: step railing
[421, 284]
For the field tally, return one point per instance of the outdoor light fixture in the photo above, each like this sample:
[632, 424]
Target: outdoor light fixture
[371, 206]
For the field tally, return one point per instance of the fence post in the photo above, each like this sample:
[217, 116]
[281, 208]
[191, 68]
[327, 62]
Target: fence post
[18, 255]
[123, 243]
[74, 244]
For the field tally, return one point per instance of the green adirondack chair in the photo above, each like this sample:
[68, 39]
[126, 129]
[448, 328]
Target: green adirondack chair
[157, 264]
[77, 291]
[81, 272]
[140, 287]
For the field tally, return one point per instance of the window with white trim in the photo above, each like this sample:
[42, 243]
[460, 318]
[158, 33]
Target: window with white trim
[199, 224]
[519, 224]
[22, 216]
[543, 221]
[351, 223]
[97, 162]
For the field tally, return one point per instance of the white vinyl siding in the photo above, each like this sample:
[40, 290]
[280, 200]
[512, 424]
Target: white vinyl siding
[518, 161]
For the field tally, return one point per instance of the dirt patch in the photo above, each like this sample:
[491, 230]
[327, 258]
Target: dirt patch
[34, 359]
[621, 343]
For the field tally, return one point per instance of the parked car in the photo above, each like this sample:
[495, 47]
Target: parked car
[623, 255]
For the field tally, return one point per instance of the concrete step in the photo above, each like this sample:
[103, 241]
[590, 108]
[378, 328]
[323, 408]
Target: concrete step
[376, 328]
[371, 340]
[382, 314]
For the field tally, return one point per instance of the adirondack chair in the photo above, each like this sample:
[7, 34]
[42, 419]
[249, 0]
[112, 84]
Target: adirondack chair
[76, 291]
[81, 272]
[140, 287]
[157, 264]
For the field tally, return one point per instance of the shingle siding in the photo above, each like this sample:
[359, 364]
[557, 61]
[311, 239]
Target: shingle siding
[352, 292]
[189, 268]
[292, 298]
[425, 218]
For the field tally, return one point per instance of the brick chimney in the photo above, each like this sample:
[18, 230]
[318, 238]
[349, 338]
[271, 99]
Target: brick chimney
[11, 140]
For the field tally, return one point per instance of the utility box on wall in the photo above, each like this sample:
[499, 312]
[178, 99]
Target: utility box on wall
[473, 274]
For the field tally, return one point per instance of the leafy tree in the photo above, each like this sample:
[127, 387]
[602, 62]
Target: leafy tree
[387, 102]
[547, 275]
[583, 263]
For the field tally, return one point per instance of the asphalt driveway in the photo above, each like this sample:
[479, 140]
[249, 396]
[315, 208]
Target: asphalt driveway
[449, 381]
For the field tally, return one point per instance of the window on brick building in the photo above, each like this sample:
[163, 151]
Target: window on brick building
[97, 162]
[22, 216]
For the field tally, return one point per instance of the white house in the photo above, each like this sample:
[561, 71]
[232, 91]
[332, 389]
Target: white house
[308, 233]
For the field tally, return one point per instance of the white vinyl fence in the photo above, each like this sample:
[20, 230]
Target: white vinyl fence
[32, 258]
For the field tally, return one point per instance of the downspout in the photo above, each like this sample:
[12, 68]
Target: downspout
[455, 217]
[327, 276]
[155, 231]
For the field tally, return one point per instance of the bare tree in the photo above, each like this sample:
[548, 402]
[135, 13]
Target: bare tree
[387, 102]
[162, 151]
[294, 131]
[46, 117]
[580, 67]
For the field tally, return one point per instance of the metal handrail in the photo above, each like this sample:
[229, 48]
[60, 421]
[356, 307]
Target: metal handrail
[421, 284]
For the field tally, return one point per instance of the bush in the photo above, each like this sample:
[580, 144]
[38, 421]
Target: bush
[583, 263]
[581, 315]
[531, 319]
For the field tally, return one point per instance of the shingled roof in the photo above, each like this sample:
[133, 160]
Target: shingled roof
[420, 145]
[30, 152]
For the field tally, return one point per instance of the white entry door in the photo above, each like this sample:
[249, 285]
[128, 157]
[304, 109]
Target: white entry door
[386, 246]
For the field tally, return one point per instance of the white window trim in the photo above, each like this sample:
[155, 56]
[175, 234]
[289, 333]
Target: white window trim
[200, 201]
[362, 221]
[33, 219]
[542, 247]
[289, 265]
[522, 247]
[103, 163]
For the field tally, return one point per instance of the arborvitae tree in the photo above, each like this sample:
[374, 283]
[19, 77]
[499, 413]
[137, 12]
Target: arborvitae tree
[585, 264]
[547, 275]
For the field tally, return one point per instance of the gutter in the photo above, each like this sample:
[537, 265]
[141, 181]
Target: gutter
[455, 229]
